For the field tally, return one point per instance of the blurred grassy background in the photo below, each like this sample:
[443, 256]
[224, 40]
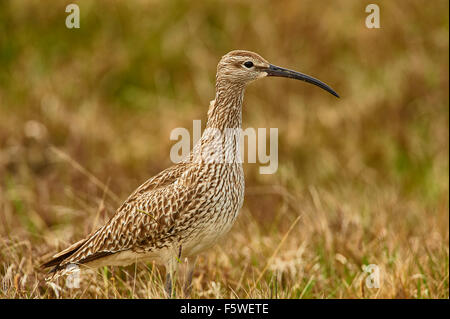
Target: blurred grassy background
[368, 173]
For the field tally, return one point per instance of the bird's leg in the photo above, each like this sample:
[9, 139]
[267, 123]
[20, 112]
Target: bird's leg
[171, 266]
[168, 285]
[189, 273]
[171, 269]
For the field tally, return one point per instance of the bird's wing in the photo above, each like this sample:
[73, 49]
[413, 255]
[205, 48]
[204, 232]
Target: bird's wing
[164, 178]
[151, 218]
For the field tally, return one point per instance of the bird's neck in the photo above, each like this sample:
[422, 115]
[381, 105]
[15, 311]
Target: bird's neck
[220, 140]
[226, 110]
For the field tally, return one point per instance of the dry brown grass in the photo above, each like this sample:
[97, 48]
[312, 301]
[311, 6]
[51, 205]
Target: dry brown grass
[366, 176]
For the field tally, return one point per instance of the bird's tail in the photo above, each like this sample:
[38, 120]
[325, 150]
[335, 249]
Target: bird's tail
[56, 260]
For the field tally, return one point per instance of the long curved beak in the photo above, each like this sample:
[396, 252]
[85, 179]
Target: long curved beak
[274, 70]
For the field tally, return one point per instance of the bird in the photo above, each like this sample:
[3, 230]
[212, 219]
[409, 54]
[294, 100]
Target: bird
[188, 207]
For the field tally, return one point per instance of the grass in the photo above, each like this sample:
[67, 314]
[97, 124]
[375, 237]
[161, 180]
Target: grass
[85, 117]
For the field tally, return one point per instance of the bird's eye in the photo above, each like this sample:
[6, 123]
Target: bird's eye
[248, 64]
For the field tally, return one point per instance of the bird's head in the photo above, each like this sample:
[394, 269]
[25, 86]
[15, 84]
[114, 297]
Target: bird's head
[243, 67]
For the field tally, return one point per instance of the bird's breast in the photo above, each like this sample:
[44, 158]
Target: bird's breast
[222, 196]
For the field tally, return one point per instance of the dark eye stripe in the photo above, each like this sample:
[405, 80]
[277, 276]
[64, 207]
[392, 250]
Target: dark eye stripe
[248, 64]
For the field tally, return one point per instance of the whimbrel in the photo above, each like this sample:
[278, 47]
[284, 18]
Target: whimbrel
[186, 208]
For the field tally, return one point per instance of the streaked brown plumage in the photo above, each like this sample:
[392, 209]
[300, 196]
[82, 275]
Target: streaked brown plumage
[189, 206]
